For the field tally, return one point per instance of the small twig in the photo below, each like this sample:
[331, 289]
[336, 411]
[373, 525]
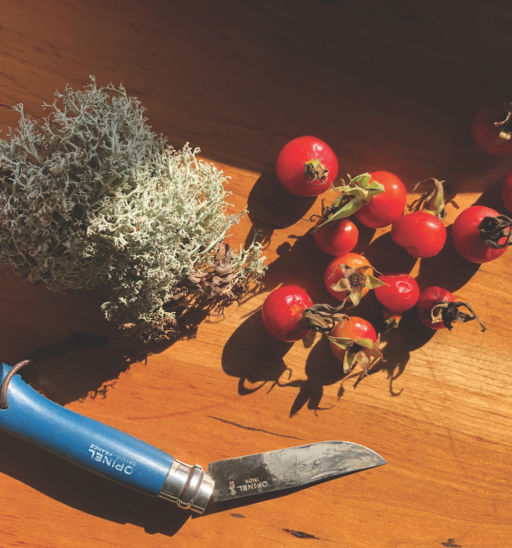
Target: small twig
[508, 116]
[505, 125]
[7, 379]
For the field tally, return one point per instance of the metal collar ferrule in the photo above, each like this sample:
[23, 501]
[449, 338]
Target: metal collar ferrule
[187, 486]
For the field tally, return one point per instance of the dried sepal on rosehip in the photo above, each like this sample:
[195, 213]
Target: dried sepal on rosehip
[438, 309]
[435, 199]
[362, 352]
[350, 277]
[421, 232]
[322, 317]
[306, 166]
[289, 314]
[496, 232]
[449, 313]
[481, 234]
[355, 343]
[353, 195]
[354, 282]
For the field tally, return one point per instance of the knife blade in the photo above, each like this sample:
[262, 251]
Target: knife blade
[125, 459]
[289, 468]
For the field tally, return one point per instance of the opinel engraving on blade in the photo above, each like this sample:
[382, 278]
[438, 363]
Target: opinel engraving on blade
[287, 469]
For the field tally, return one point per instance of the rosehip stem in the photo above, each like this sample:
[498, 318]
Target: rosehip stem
[434, 201]
[451, 313]
[496, 232]
[505, 126]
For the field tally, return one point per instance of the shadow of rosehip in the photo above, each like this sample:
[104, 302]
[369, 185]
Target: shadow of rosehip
[399, 342]
[447, 269]
[321, 369]
[254, 356]
[270, 203]
[387, 257]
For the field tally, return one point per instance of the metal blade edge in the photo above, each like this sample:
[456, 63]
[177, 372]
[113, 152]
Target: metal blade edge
[289, 468]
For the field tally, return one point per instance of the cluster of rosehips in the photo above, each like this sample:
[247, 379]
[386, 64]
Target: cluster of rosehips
[307, 166]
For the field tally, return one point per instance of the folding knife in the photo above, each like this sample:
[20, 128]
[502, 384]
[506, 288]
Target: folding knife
[122, 458]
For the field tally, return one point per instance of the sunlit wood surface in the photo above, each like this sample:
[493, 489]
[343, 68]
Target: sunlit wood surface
[390, 85]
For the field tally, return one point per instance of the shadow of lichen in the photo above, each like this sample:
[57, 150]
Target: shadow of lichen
[74, 351]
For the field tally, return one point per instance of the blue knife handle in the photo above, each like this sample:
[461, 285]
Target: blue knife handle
[99, 448]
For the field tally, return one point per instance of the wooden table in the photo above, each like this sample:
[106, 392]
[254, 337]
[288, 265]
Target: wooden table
[390, 86]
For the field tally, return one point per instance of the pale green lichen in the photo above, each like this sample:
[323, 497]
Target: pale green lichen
[91, 198]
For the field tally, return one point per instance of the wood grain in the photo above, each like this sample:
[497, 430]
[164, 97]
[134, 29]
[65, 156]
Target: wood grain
[390, 86]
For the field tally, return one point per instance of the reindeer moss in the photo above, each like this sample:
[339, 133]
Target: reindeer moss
[92, 199]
